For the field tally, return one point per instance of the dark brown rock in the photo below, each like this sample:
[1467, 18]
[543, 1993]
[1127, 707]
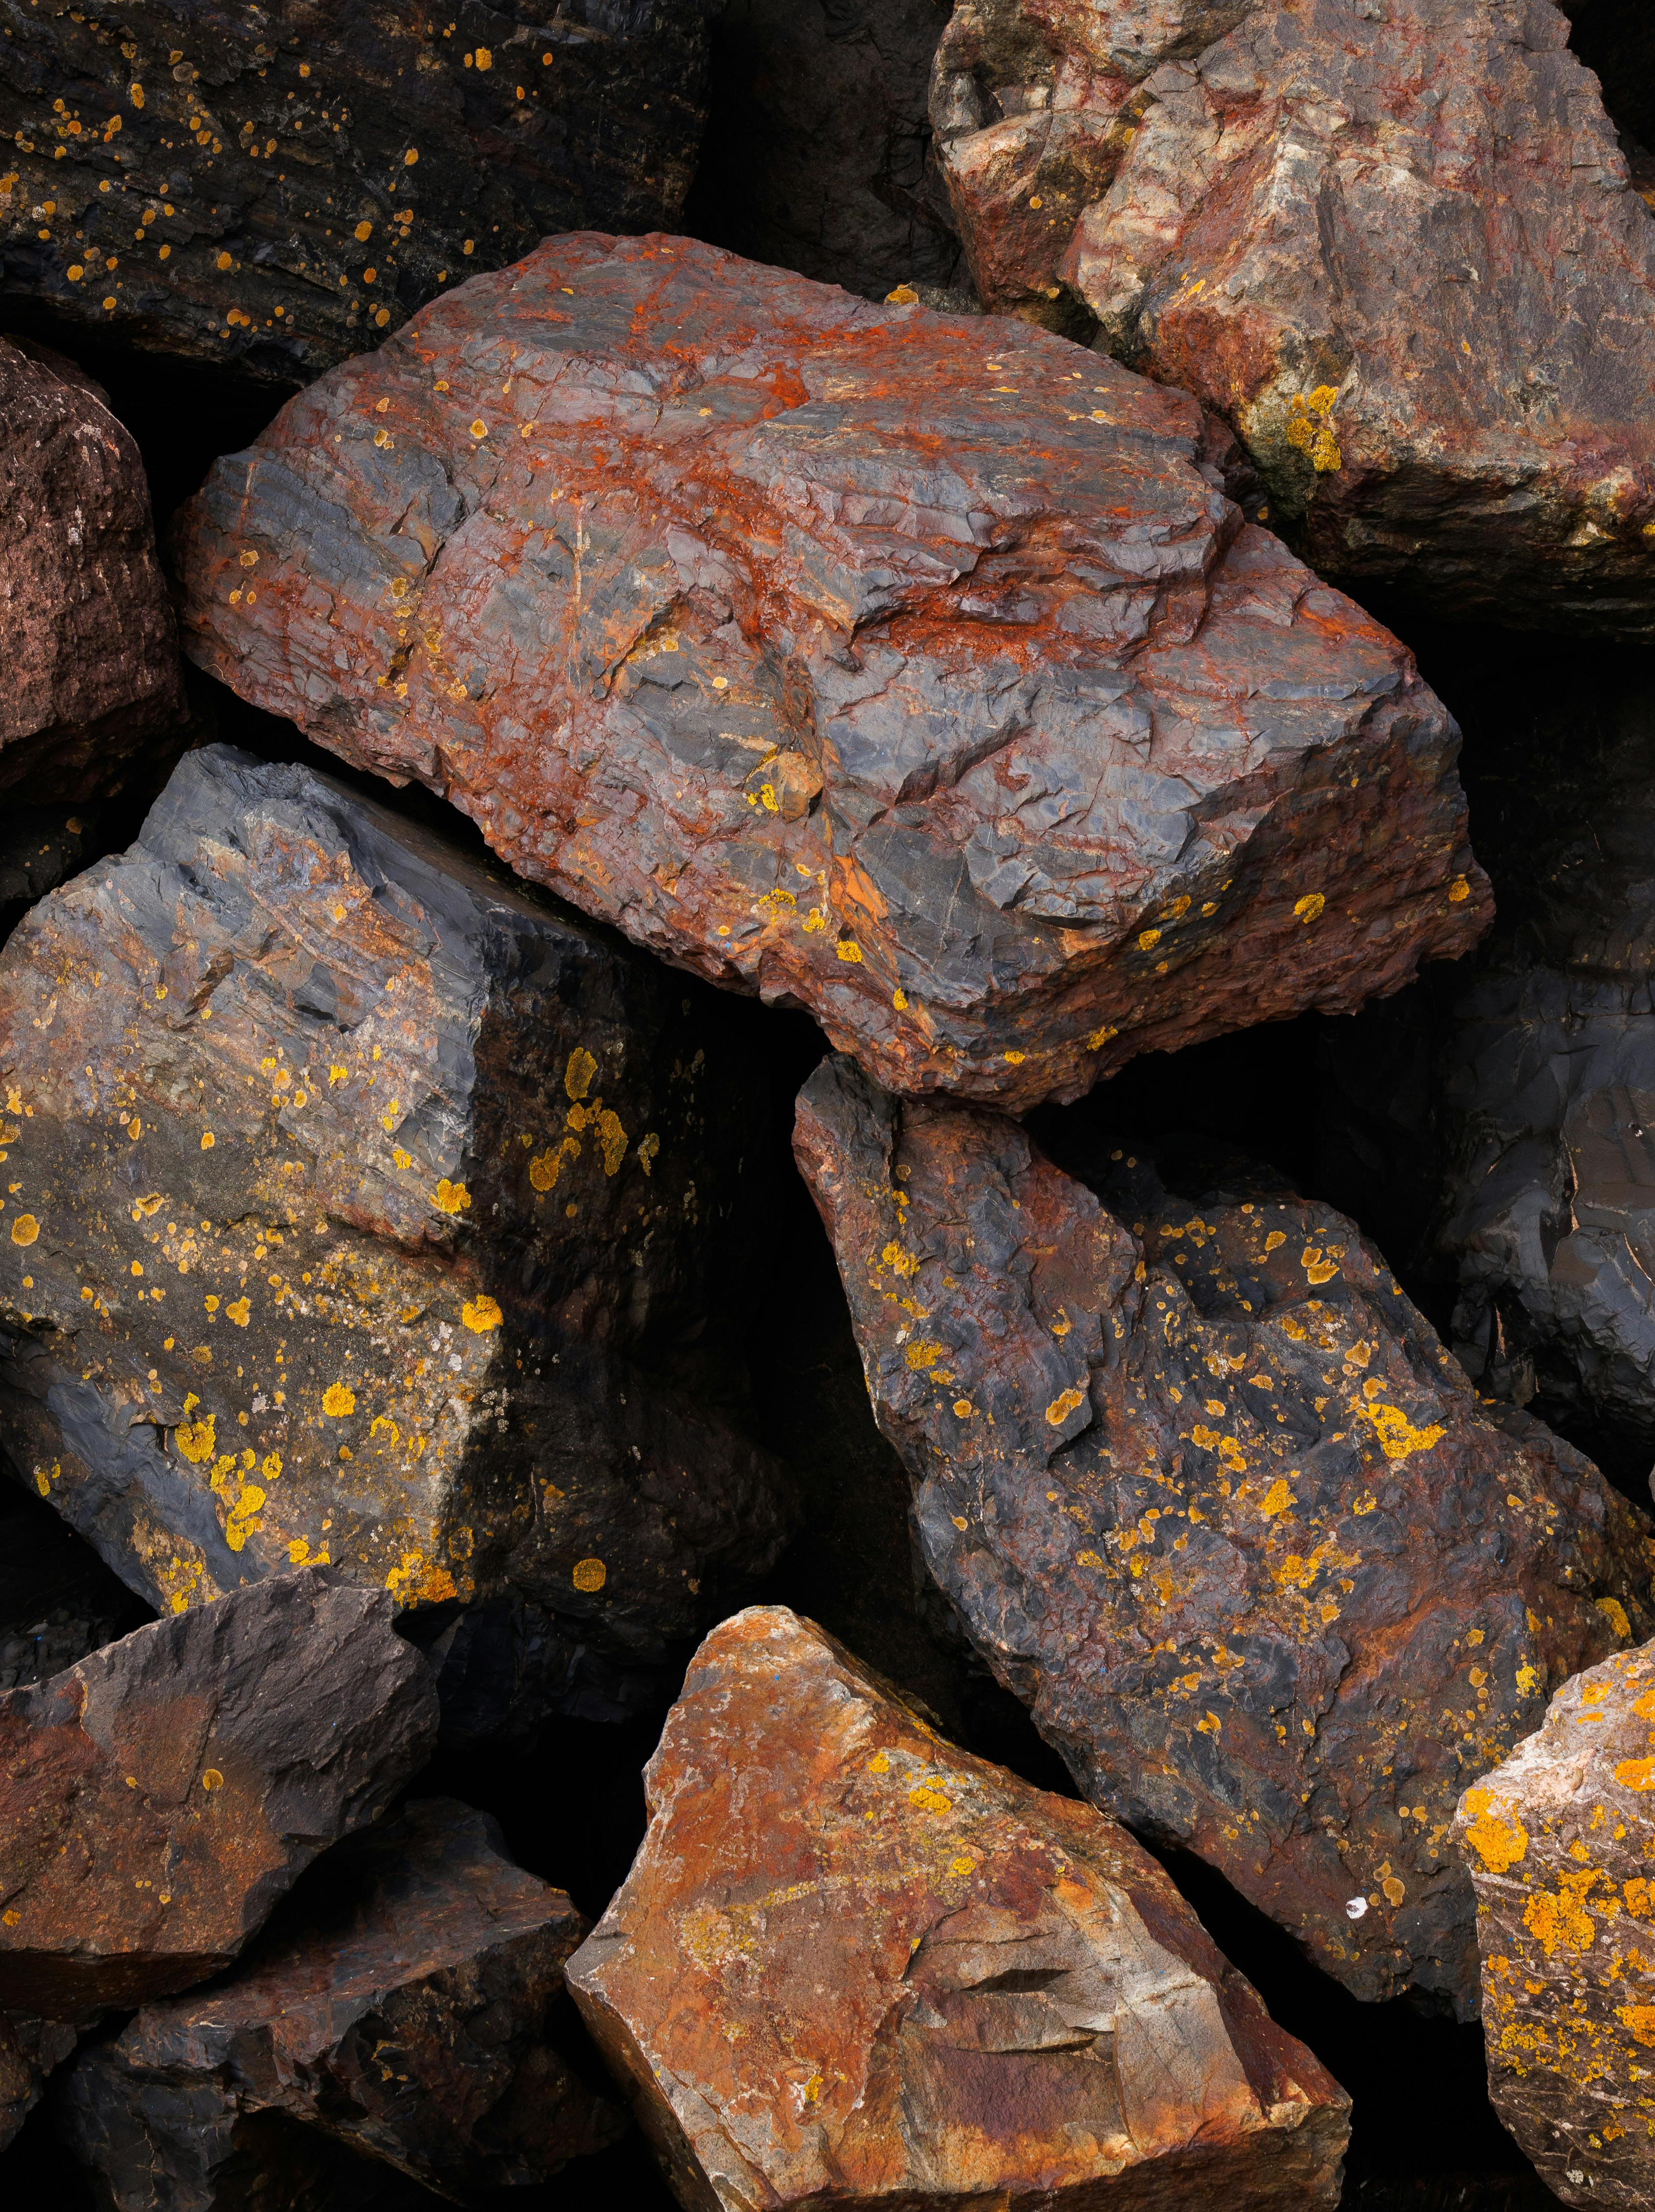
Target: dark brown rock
[851, 1961]
[877, 660]
[1398, 248]
[29, 2048]
[158, 1798]
[277, 188]
[1211, 1497]
[408, 2001]
[58, 1600]
[93, 676]
[357, 1202]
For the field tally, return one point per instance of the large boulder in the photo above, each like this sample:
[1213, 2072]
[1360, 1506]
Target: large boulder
[158, 1798]
[913, 668]
[852, 1963]
[277, 187]
[359, 1205]
[1398, 248]
[93, 677]
[1211, 1496]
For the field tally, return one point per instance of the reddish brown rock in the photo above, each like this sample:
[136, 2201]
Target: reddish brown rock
[158, 1798]
[1213, 1500]
[911, 667]
[1559, 1841]
[93, 677]
[853, 1961]
[1396, 247]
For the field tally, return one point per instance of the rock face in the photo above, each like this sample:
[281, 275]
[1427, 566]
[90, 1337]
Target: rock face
[427, 1943]
[357, 1201]
[885, 662]
[853, 1960]
[158, 1798]
[278, 189]
[1397, 249]
[1212, 1499]
[93, 676]
[1559, 1841]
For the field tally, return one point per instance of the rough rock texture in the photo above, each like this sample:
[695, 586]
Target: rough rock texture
[58, 1599]
[1396, 247]
[404, 2007]
[853, 1961]
[882, 661]
[158, 1797]
[1559, 1841]
[357, 1199]
[29, 2048]
[278, 186]
[92, 671]
[1214, 1501]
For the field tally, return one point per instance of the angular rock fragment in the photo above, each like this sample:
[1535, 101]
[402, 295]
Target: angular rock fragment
[1396, 248]
[407, 2004]
[1212, 1499]
[853, 1961]
[93, 675]
[910, 667]
[1559, 1841]
[277, 187]
[356, 1202]
[158, 1798]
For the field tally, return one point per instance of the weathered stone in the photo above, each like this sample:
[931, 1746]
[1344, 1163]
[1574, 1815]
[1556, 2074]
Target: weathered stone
[29, 2048]
[277, 188]
[846, 654]
[357, 1198]
[1559, 1841]
[158, 1797]
[93, 674]
[1396, 248]
[408, 2003]
[1211, 1497]
[851, 1961]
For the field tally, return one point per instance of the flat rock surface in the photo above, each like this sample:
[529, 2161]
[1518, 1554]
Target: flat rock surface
[913, 668]
[1213, 1500]
[1398, 249]
[357, 1201]
[851, 1961]
[158, 1797]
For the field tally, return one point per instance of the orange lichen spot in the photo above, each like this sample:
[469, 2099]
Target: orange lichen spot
[964, 1408]
[1558, 1917]
[612, 1139]
[481, 1314]
[879, 1763]
[1615, 1614]
[1640, 2019]
[1278, 1498]
[208, 1140]
[211, 1779]
[848, 949]
[1636, 1773]
[1064, 1404]
[338, 1401]
[1088, 1560]
[927, 1798]
[1016, 1059]
[962, 1865]
[196, 1439]
[451, 1197]
[1498, 1836]
[923, 1353]
[1399, 1438]
[900, 1000]
[1148, 939]
[1317, 1266]
[25, 1229]
[589, 1575]
[239, 1312]
[1275, 1241]
[479, 428]
[577, 1075]
[484, 59]
[1310, 907]
[1458, 891]
[1097, 1039]
[903, 295]
[900, 1260]
[270, 1467]
[1394, 1890]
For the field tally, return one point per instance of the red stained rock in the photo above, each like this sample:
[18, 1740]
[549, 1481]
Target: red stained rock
[1212, 1499]
[1396, 247]
[913, 668]
[852, 1963]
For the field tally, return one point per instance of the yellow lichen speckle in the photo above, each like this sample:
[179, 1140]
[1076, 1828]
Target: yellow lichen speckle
[589, 1575]
[25, 1229]
[1615, 1614]
[577, 1075]
[1064, 1404]
[451, 1197]
[930, 1799]
[1500, 1842]
[195, 1439]
[1399, 1438]
[1310, 907]
[339, 1399]
[1636, 1773]
[481, 1314]
[211, 1779]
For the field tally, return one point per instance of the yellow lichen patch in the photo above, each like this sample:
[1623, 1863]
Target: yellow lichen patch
[1064, 1404]
[1317, 1265]
[1636, 1773]
[1458, 891]
[211, 1779]
[338, 1401]
[243, 1517]
[451, 1197]
[1096, 1039]
[480, 1315]
[1310, 907]
[1399, 1438]
[1275, 1241]
[929, 1799]
[577, 1075]
[879, 1763]
[25, 1229]
[239, 1311]
[1148, 939]
[1615, 1614]
[612, 1138]
[589, 1575]
[848, 949]
[1556, 1917]
[1640, 2019]
[923, 1353]
[415, 1581]
[1498, 1840]
[195, 1439]
[208, 1140]
[900, 1262]
[648, 1147]
[1278, 1498]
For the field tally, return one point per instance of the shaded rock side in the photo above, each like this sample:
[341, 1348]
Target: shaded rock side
[94, 680]
[406, 2002]
[277, 188]
[158, 1798]
[1213, 1500]
[358, 1204]
[909, 667]
[1559, 1841]
[29, 2048]
[1397, 249]
[58, 1599]
[852, 1959]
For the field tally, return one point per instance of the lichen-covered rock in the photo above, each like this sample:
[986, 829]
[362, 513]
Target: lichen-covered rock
[881, 661]
[158, 1797]
[278, 186]
[1559, 1840]
[1396, 248]
[423, 1940]
[852, 1962]
[355, 1200]
[1211, 1497]
[93, 677]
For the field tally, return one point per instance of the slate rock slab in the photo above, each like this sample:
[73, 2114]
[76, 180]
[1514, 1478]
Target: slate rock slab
[356, 1201]
[1213, 1500]
[158, 1797]
[851, 1961]
[912, 668]
[1398, 249]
